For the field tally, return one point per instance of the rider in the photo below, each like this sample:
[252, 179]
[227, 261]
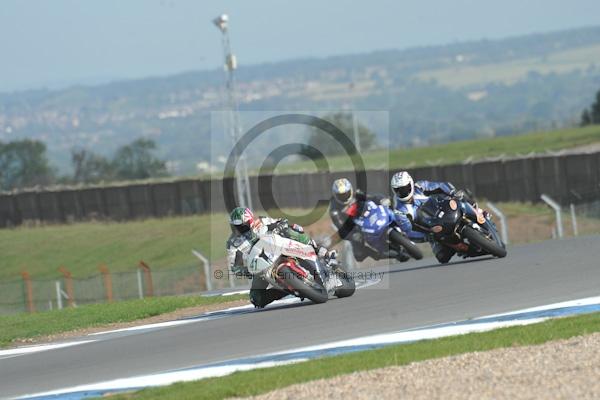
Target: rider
[344, 207]
[410, 195]
[245, 229]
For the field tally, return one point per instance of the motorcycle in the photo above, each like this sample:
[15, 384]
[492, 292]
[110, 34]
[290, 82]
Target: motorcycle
[381, 231]
[459, 225]
[294, 267]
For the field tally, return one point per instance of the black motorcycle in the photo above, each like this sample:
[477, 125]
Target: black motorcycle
[459, 225]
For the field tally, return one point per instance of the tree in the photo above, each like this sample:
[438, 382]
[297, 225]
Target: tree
[130, 162]
[90, 168]
[586, 119]
[23, 163]
[595, 110]
[343, 121]
[136, 161]
[592, 116]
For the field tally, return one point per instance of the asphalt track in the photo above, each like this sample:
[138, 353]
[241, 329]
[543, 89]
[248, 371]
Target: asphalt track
[412, 294]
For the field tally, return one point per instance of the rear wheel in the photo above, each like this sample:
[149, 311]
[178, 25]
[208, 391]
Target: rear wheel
[486, 244]
[317, 294]
[411, 248]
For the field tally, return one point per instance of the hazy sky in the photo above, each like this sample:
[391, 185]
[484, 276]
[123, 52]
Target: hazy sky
[62, 42]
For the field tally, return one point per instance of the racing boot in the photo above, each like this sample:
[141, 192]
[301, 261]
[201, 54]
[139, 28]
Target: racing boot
[398, 255]
[402, 256]
[261, 297]
[442, 253]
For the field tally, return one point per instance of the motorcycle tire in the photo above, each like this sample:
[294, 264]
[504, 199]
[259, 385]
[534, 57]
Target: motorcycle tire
[411, 248]
[316, 295]
[489, 246]
[348, 285]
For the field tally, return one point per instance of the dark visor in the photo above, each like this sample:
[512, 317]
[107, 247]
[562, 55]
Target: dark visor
[342, 197]
[240, 228]
[402, 191]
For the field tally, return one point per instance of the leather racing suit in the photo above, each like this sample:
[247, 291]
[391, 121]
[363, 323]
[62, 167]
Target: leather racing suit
[343, 217]
[407, 210]
[238, 245]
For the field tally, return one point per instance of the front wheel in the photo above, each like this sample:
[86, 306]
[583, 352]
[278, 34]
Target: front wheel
[317, 294]
[401, 240]
[486, 244]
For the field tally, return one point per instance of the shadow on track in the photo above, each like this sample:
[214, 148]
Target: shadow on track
[431, 266]
[248, 310]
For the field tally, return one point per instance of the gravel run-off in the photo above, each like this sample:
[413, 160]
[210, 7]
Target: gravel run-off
[564, 369]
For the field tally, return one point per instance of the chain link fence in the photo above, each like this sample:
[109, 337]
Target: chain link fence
[33, 295]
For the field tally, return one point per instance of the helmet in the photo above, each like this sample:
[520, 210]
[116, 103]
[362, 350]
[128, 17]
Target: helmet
[241, 219]
[403, 185]
[342, 191]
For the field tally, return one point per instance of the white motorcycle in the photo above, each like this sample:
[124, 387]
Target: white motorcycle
[294, 267]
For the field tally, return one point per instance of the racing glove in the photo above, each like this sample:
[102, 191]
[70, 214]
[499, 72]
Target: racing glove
[458, 195]
[386, 202]
[320, 250]
[297, 228]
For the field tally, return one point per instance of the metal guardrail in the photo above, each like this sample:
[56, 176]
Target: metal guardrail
[503, 223]
[557, 209]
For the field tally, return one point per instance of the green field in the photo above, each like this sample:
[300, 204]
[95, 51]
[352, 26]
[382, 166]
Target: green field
[249, 383]
[510, 72]
[24, 326]
[537, 142]
[82, 247]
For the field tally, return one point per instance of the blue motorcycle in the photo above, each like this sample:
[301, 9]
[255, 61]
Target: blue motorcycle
[381, 231]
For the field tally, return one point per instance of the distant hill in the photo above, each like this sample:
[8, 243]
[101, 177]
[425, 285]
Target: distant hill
[434, 94]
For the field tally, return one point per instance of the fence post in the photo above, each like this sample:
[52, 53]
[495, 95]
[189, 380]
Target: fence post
[107, 282]
[68, 285]
[207, 276]
[140, 284]
[148, 275]
[556, 207]
[502, 217]
[28, 291]
[574, 220]
[59, 296]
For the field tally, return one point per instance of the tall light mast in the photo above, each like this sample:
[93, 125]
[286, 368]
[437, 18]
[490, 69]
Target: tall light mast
[241, 169]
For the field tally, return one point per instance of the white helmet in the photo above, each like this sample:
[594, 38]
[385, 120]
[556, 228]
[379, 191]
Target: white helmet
[403, 185]
[342, 191]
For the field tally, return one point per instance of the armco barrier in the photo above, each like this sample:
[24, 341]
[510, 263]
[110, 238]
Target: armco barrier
[573, 178]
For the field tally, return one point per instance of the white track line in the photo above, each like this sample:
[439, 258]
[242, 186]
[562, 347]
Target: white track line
[571, 303]
[218, 314]
[160, 379]
[311, 352]
[34, 349]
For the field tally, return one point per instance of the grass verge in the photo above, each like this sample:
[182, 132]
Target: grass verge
[26, 326]
[264, 380]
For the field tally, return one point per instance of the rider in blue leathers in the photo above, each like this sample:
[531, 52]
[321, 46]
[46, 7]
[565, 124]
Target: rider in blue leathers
[345, 206]
[409, 196]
